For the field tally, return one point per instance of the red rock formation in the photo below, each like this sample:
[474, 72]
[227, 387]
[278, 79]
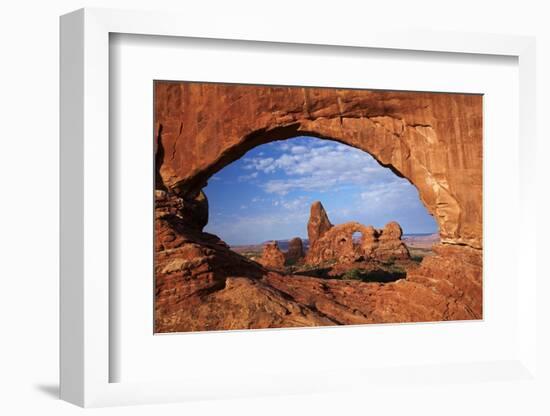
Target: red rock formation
[318, 223]
[272, 257]
[447, 286]
[201, 285]
[194, 210]
[336, 244]
[188, 265]
[295, 250]
[432, 139]
[390, 245]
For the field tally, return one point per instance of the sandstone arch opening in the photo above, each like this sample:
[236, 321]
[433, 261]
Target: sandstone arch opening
[260, 205]
[432, 140]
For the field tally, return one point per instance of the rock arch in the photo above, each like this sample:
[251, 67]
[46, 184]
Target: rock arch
[433, 140]
[335, 242]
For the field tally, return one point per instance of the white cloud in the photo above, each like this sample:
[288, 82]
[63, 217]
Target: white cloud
[377, 195]
[244, 178]
[298, 149]
[318, 168]
[301, 203]
[258, 163]
[397, 189]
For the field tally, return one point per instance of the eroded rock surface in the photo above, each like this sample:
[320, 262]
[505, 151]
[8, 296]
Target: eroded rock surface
[202, 285]
[390, 245]
[336, 243]
[432, 139]
[318, 223]
[194, 210]
[447, 286]
[272, 257]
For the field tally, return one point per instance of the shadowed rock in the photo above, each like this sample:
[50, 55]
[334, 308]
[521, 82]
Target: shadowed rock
[295, 250]
[192, 211]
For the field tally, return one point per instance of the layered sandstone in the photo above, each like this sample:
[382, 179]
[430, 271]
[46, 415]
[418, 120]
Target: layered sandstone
[432, 139]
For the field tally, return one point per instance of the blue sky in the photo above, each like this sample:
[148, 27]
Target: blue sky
[267, 193]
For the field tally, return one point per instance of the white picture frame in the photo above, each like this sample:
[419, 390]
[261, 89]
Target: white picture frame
[85, 266]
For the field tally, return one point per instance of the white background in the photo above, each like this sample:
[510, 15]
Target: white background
[29, 210]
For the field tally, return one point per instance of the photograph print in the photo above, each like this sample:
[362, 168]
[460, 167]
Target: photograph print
[288, 206]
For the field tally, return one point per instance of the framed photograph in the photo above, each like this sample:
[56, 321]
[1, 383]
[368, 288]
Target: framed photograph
[236, 209]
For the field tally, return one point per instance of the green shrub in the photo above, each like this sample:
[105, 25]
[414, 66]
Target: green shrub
[379, 275]
[291, 262]
[353, 274]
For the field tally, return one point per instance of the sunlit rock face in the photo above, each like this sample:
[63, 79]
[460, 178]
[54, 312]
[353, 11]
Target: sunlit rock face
[318, 223]
[389, 242]
[433, 140]
[272, 257]
[336, 243]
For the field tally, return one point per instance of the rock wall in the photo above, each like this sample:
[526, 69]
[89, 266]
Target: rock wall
[434, 140]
